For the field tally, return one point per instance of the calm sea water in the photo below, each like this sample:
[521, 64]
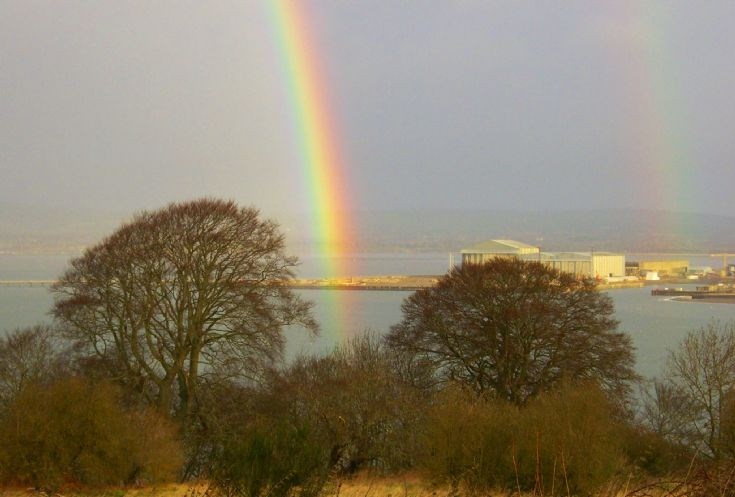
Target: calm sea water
[655, 324]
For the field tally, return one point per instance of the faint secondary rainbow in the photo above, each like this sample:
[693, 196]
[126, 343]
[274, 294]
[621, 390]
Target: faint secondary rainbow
[323, 168]
[658, 134]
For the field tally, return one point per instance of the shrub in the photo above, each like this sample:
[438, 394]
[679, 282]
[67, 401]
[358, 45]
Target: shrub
[563, 441]
[26, 355]
[652, 454]
[357, 400]
[702, 372]
[360, 401]
[76, 431]
[466, 435]
[577, 442]
[270, 458]
[706, 478]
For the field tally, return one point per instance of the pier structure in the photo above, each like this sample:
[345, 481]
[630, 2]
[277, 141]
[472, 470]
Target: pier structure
[384, 283]
[711, 293]
[28, 283]
[399, 283]
[375, 283]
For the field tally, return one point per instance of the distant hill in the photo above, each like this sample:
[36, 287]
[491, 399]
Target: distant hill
[34, 229]
[619, 230]
[38, 229]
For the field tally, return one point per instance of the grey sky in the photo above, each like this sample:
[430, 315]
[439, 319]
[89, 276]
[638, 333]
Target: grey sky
[520, 105]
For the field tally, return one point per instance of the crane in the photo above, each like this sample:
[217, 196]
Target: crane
[724, 258]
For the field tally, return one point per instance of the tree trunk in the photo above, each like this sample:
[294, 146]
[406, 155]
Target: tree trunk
[165, 396]
[193, 377]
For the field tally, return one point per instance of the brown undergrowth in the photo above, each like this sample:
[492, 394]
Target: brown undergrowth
[699, 483]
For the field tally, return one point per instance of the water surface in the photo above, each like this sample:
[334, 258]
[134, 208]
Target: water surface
[655, 324]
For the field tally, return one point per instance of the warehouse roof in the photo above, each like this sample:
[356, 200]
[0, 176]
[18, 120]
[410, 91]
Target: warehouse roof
[498, 246]
[568, 256]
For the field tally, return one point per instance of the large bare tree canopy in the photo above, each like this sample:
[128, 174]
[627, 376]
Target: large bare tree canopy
[513, 328]
[181, 292]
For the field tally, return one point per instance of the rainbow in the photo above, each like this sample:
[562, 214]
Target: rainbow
[657, 134]
[323, 166]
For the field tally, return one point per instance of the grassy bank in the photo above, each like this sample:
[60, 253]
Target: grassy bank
[416, 485]
[360, 486]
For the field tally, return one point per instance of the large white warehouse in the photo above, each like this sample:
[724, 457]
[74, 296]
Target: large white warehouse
[593, 264]
[491, 249]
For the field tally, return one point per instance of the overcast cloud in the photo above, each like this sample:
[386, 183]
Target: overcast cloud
[468, 104]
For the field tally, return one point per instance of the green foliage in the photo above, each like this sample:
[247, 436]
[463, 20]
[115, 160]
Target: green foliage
[76, 431]
[564, 441]
[270, 458]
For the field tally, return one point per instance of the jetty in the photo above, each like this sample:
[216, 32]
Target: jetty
[398, 283]
[26, 283]
[376, 283]
[710, 293]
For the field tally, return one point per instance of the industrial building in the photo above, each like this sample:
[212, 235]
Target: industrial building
[594, 264]
[677, 267]
[482, 252]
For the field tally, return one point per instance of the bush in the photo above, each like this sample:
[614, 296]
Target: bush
[577, 438]
[27, 355]
[270, 458]
[701, 479]
[467, 437]
[652, 454]
[701, 370]
[223, 405]
[357, 400]
[76, 431]
[563, 441]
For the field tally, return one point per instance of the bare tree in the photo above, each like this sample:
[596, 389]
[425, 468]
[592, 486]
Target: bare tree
[513, 328]
[179, 292]
[668, 411]
[27, 355]
[357, 399]
[702, 371]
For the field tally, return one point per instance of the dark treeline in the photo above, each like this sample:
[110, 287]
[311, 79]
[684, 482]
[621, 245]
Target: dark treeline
[164, 362]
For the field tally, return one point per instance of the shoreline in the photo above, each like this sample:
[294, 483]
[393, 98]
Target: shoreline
[368, 283]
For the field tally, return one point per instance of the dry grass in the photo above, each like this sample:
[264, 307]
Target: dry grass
[409, 485]
[365, 485]
[168, 490]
